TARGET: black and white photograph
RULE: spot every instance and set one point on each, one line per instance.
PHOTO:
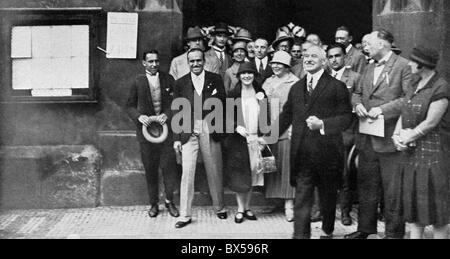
(244, 121)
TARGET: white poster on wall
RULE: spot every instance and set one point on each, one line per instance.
(121, 37)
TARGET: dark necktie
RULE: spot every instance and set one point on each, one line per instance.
(261, 67)
(310, 86)
(379, 64)
(221, 58)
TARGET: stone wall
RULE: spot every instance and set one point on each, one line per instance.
(414, 22)
(57, 126)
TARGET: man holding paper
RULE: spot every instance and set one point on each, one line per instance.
(377, 101)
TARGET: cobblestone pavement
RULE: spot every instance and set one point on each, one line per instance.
(133, 223)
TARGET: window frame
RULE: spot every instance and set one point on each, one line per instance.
(11, 17)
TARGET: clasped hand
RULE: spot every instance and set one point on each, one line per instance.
(147, 120)
(314, 123)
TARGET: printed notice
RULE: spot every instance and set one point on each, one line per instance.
(121, 37)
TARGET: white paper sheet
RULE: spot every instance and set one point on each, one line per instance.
(372, 127)
(20, 77)
(21, 42)
(121, 37)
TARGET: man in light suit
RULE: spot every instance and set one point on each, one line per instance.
(380, 92)
(261, 61)
(354, 58)
(318, 108)
(198, 87)
(149, 100)
(218, 51)
(336, 56)
(179, 66)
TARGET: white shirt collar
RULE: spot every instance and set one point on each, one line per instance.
(349, 47)
(424, 81)
(387, 57)
(316, 77)
(198, 81)
(264, 62)
(149, 75)
(339, 73)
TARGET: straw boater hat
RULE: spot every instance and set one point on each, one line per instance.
(155, 132)
(221, 28)
(282, 57)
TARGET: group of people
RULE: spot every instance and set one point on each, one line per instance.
(317, 96)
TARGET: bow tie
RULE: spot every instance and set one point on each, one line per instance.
(379, 64)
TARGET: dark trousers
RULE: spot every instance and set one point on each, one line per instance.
(348, 189)
(327, 183)
(377, 176)
(155, 156)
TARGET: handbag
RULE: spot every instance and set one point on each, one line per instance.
(268, 163)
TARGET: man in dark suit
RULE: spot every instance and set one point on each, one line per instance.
(318, 108)
(380, 92)
(336, 55)
(354, 59)
(149, 101)
(261, 61)
(197, 134)
(218, 51)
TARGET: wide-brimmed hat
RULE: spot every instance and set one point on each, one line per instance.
(221, 28)
(239, 45)
(242, 35)
(282, 57)
(282, 36)
(194, 33)
(247, 67)
(425, 56)
(155, 132)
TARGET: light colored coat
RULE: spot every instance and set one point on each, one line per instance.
(355, 60)
(388, 92)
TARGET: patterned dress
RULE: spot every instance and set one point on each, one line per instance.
(277, 185)
(424, 169)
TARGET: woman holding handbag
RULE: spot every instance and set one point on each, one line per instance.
(423, 134)
(277, 88)
(244, 151)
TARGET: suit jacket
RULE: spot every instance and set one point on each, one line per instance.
(140, 102)
(227, 61)
(309, 149)
(355, 60)
(213, 88)
(265, 74)
(179, 66)
(350, 79)
(388, 93)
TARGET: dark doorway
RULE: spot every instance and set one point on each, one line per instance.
(264, 17)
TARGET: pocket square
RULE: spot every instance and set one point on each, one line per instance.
(214, 92)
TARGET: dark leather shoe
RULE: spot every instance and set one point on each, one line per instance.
(248, 214)
(316, 217)
(356, 235)
(222, 215)
(346, 219)
(153, 211)
(182, 224)
(239, 219)
(173, 211)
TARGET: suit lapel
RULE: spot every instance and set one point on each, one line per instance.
(320, 87)
(146, 88)
(387, 69)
